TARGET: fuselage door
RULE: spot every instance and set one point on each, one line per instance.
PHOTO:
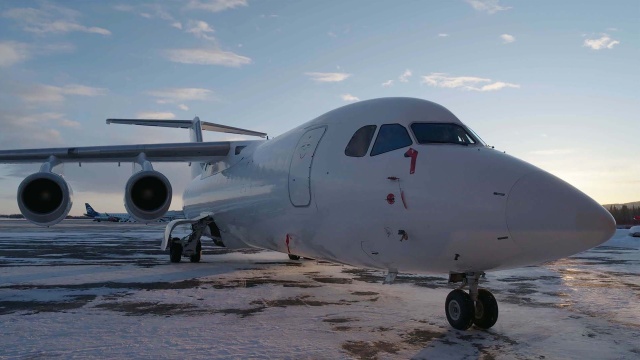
(300, 168)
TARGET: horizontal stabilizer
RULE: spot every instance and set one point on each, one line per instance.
(187, 124)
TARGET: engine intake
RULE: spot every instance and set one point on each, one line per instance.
(45, 198)
(147, 196)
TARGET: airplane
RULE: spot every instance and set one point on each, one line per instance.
(397, 184)
(105, 216)
(168, 216)
(635, 230)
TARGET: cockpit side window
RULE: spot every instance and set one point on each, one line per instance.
(391, 137)
(359, 143)
(441, 133)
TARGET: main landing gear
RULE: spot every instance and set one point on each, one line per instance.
(177, 251)
(190, 245)
(478, 307)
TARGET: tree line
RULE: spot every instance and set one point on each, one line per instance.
(624, 215)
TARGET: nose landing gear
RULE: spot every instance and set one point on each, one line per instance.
(478, 307)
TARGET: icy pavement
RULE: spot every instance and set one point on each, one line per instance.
(87, 290)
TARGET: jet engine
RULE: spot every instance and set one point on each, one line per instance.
(147, 196)
(45, 198)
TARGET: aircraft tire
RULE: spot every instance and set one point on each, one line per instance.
(195, 258)
(294, 257)
(175, 251)
(459, 309)
(486, 311)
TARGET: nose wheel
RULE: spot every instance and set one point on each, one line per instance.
(477, 307)
(459, 309)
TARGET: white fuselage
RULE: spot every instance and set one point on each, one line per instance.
(460, 208)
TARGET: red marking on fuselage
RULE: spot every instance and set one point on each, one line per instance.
(413, 154)
(391, 199)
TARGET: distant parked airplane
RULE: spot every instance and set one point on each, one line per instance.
(382, 183)
(635, 230)
(124, 217)
(104, 216)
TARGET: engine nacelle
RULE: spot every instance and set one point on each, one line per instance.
(45, 198)
(147, 196)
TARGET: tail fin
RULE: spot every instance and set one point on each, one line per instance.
(195, 127)
(90, 210)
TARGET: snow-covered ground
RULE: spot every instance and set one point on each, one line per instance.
(87, 290)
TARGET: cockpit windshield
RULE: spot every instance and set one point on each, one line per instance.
(442, 133)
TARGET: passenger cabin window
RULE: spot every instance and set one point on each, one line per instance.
(391, 137)
(441, 133)
(359, 143)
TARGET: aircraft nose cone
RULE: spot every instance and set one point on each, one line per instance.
(550, 219)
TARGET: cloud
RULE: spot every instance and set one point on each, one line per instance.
(465, 82)
(215, 5)
(55, 48)
(349, 97)
(405, 76)
(151, 11)
(488, 6)
(50, 18)
(604, 42)
(156, 115)
(69, 123)
(443, 35)
(183, 107)
(21, 130)
(207, 56)
(124, 8)
(179, 95)
(82, 90)
(199, 29)
(327, 77)
(498, 85)
(40, 93)
(507, 39)
(387, 83)
(12, 52)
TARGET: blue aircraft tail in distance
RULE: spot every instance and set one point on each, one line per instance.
(90, 211)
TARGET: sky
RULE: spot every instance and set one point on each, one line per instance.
(554, 83)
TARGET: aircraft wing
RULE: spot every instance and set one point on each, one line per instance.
(171, 152)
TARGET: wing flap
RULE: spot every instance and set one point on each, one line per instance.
(172, 152)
